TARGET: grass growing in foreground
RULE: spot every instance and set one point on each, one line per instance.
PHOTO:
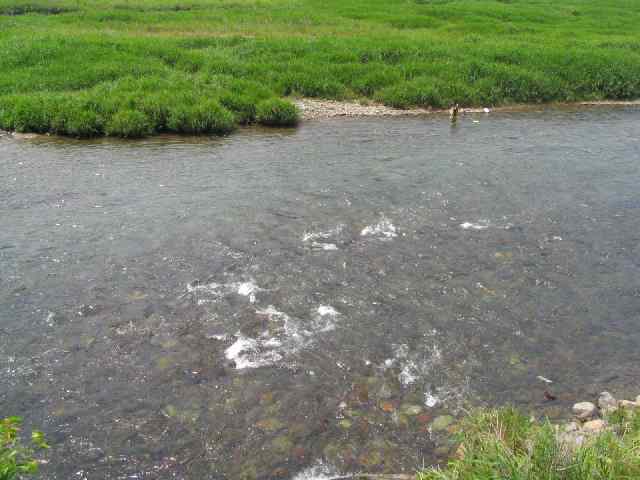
(506, 445)
(16, 460)
(134, 67)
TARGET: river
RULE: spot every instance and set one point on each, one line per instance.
(297, 303)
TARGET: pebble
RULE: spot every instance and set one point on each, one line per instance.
(584, 410)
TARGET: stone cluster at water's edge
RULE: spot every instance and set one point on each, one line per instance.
(589, 419)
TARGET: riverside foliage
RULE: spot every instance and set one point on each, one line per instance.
(135, 67)
(503, 444)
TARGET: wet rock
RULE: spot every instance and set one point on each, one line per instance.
(299, 453)
(361, 392)
(345, 424)
(385, 392)
(282, 444)
(607, 403)
(170, 411)
(370, 459)
(441, 423)
(387, 407)
(164, 363)
(423, 418)
(136, 295)
(411, 410)
(584, 410)
(280, 472)
(594, 426)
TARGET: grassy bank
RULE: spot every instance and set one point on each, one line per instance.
(503, 444)
(134, 67)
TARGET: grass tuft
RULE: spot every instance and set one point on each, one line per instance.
(277, 113)
(503, 444)
(129, 124)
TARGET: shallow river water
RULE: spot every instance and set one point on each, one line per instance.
(293, 304)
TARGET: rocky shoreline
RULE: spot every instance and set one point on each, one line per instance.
(590, 419)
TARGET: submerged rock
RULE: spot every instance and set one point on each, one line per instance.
(269, 424)
(441, 423)
(411, 410)
(346, 424)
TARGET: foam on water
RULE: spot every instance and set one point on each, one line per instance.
(310, 236)
(413, 365)
(430, 400)
(316, 238)
(319, 471)
(473, 226)
(284, 337)
(324, 246)
(214, 291)
(384, 229)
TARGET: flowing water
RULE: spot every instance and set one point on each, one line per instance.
(293, 304)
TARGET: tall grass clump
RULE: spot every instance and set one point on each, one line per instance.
(202, 117)
(129, 124)
(277, 113)
(504, 444)
(17, 459)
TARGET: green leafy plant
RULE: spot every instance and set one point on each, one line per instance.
(16, 460)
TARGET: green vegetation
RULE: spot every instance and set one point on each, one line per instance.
(506, 445)
(16, 460)
(277, 113)
(82, 68)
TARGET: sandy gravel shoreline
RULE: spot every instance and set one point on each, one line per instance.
(312, 109)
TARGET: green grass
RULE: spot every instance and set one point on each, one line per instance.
(16, 459)
(506, 445)
(69, 66)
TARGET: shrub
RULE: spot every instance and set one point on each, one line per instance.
(16, 460)
(277, 113)
(129, 124)
(204, 117)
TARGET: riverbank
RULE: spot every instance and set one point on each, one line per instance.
(147, 67)
(600, 442)
(313, 109)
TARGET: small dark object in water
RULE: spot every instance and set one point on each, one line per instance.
(453, 113)
(549, 396)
